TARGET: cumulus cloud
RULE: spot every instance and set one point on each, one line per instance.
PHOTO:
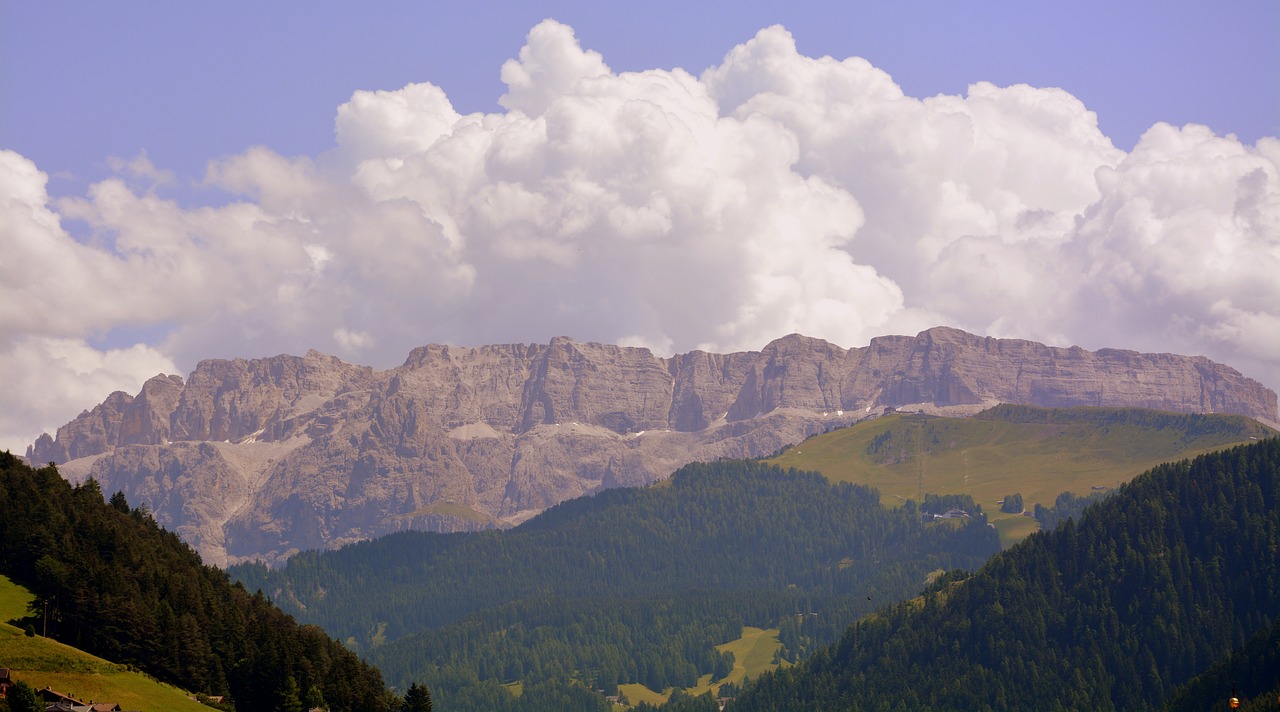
(772, 193)
(1182, 250)
(49, 380)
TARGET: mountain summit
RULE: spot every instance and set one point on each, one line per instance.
(258, 459)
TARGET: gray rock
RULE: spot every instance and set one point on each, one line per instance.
(259, 459)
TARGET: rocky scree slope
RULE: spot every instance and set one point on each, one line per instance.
(258, 459)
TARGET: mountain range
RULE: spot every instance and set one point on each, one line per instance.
(259, 459)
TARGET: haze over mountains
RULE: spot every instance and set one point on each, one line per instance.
(258, 459)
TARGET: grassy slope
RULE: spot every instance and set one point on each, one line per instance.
(752, 653)
(990, 458)
(41, 662)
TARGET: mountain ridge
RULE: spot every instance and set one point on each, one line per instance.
(311, 451)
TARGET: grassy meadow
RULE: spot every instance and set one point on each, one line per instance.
(41, 662)
(1077, 450)
(753, 654)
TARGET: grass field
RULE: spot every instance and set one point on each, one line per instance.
(13, 600)
(753, 654)
(41, 662)
(904, 456)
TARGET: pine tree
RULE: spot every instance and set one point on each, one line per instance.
(290, 699)
(314, 698)
(23, 699)
(119, 502)
(417, 699)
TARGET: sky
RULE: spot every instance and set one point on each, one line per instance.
(181, 181)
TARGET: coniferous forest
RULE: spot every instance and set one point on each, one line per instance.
(1119, 610)
(120, 587)
(631, 585)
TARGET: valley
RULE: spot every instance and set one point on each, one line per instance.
(581, 566)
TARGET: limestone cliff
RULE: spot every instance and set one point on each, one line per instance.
(262, 458)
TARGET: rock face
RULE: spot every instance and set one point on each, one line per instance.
(258, 459)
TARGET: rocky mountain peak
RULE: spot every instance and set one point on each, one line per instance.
(305, 452)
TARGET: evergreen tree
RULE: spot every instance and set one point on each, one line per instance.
(417, 699)
(290, 697)
(119, 502)
(1012, 504)
(23, 699)
(314, 698)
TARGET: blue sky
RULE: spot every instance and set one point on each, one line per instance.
(188, 82)
(182, 181)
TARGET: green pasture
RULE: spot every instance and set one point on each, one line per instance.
(905, 456)
(637, 693)
(13, 600)
(1012, 528)
(752, 653)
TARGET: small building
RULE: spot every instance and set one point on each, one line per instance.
(6, 681)
(953, 513)
(53, 697)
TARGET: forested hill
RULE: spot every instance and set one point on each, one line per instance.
(631, 585)
(122, 588)
(1252, 672)
(1149, 588)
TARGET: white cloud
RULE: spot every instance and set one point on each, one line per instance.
(772, 193)
(353, 342)
(141, 168)
(551, 63)
(59, 378)
(1182, 251)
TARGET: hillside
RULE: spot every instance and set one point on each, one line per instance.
(1114, 612)
(259, 459)
(634, 585)
(43, 662)
(122, 588)
(1036, 452)
(1252, 671)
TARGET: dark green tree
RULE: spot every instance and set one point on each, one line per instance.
(23, 699)
(417, 699)
(290, 697)
(1012, 504)
(314, 698)
(119, 502)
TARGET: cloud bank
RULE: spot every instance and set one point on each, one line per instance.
(774, 193)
